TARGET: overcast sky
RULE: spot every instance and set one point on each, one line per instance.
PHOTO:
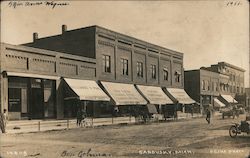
(205, 31)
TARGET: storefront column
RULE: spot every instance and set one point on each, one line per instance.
(4, 93)
(59, 100)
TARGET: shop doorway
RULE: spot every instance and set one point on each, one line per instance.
(36, 108)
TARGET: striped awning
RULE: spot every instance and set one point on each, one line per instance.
(180, 95)
(124, 94)
(154, 95)
(86, 90)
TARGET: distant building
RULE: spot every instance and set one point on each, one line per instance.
(218, 84)
(92, 67)
(247, 91)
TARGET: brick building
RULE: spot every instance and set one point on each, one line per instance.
(217, 85)
(92, 67)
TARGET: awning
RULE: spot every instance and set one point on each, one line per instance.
(218, 103)
(86, 90)
(154, 95)
(152, 109)
(124, 94)
(32, 75)
(229, 98)
(180, 95)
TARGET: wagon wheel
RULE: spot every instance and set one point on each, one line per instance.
(233, 131)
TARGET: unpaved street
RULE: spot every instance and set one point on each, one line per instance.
(184, 138)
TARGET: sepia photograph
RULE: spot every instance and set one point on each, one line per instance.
(124, 79)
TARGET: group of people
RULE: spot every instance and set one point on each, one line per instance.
(80, 117)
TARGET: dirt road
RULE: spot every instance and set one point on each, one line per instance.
(186, 138)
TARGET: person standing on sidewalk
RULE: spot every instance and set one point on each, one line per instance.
(79, 117)
(208, 117)
(3, 120)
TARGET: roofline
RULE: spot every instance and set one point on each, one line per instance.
(233, 66)
(148, 43)
(115, 32)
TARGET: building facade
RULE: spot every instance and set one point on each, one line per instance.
(34, 75)
(207, 84)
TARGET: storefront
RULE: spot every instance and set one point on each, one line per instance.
(31, 96)
(181, 99)
(156, 98)
(85, 95)
(125, 97)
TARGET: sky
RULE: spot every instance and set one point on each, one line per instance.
(207, 32)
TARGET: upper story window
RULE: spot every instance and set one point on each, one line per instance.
(203, 85)
(212, 87)
(139, 69)
(208, 86)
(165, 74)
(216, 87)
(153, 71)
(238, 89)
(177, 76)
(124, 66)
(106, 63)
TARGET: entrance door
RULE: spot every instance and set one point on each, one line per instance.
(37, 108)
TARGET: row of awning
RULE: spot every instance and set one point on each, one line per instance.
(125, 94)
(224, 99)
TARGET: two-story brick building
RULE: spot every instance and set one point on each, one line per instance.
(49, 76)
(217, 85)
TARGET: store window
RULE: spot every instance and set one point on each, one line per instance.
(17, 94)
(106, 63)
(14, 100)
(139, 69)
(124, 66)
(153, 71)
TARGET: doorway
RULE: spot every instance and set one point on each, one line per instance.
(37, 107)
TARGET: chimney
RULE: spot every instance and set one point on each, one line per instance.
(64, 28)
(35, 36)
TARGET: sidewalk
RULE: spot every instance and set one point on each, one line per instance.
(26, 126)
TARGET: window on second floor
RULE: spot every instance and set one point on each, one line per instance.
(139, 69)
(203, 85)
(238, 89)
(153, 71)
(124, 66)
(216, 87)
(177, 76)
(165, 74)
(106, 63)
(208, 85)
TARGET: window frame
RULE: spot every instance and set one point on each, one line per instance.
(139, 69)
(124, 66)
(153, 71)
(106, 63)
(165, 74)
